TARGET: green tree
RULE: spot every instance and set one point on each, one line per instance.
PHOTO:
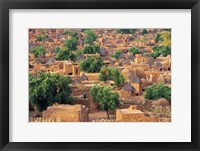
(158, 50)
(42, 38)
(111, 73)
(65, 54)
(134, 50)
(39, 50)
(104, 96)
(157, 91)
(90, 36)
(74, 35)
(56, 49)
(91, 49)
(117, 54)
(126, 31)
(78, 53)
(71, 44)
(144, 31)
(91, 64)
(164, 38)
(46, 89)
(158, 37)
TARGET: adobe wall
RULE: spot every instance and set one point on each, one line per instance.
(92, 76)
(138, 88)
(79, 91)
(67, 113)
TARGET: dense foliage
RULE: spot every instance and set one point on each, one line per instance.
(104, 96)
(71, 44)
(91, 49)
(111, 73)
(157, 91)
(91, 64)
(65, 54)
(39, 50)
(126, 31)
(134, 50)
(164, 38)
(68, 52)
(42, 38)
(158, 50)
(46, 89)
(117, 54)
(74, 35)
(90, 36)
(144, 31)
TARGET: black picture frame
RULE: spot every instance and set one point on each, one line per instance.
(5, 5)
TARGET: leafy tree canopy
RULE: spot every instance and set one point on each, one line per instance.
(38, 51)
(144, 31)
(158, 50)
(157, 91)
(45, 89)
(42, 38)
(111, 73)
(71, 44)
(117, 54)
(134, 50)
(91, 49)
(104, 96)
(164, 38)
(91, 64)
(74, 34)
(126, 31)
(90, 36)
(65, 54)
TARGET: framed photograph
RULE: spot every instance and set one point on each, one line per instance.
(99, 75)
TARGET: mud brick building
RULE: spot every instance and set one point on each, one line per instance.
(67, 113)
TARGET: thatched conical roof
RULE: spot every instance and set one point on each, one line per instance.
(128, 87)
(84, 77)
(122, 56)
(133, 78)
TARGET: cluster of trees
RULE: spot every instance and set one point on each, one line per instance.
(164, 38)
(158, 50)
(164, 44)
(111, 73)
(46, 89)
(90, 36)
(68, 52)
(105, 97)
(91, 49)
(134, 50)
(39, 50)
(157, 91)
(65, 54)
(42, 38)
(117, 54)
(126, 31)
(89, 39)
(91, 64)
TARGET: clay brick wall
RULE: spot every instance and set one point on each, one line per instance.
(79, 91)
(138, 88)
(92, 76)
(67, 113)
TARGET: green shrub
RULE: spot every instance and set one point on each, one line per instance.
(157, 91)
